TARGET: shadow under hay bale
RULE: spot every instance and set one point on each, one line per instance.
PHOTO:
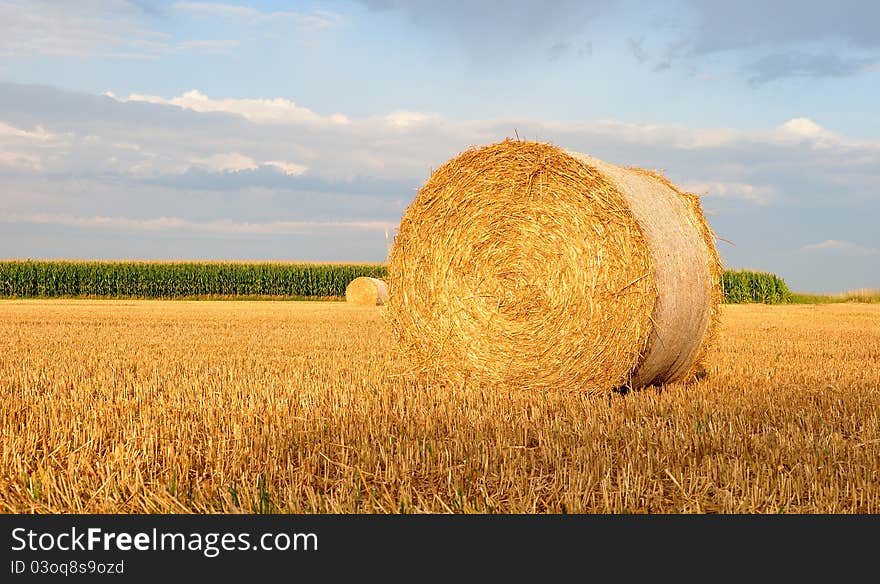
(520, 264)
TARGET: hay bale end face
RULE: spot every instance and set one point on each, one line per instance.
(364, 291)
(520, 264)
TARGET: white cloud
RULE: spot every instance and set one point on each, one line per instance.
(843, 247)
(793, 131)
(226, 162)
(288, 168)
(276, 110)
(761, 195)
(217, 9)
(20, 160)
(211, 46)
(236, 162)
(39, 134)
(408, 119)
(769, 167)
(24, 149)
(805, 130)
(30, 28)
(762, 167)
(321, 19)
(111, 28)
(653, 134)
(317, 19)
(176, 223)
(803, 127)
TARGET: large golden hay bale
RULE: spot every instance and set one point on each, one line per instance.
(523, 265)
(365, 291)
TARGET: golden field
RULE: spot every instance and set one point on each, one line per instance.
(170, 406)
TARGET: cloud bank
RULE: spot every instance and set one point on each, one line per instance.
(215, 167)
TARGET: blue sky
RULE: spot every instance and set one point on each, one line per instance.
(286, 130)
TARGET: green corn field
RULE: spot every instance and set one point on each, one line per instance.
(743, 286)
(97, 279)
(121, 279)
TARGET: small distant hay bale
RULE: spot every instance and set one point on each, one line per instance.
(523, 265)
(364, 291)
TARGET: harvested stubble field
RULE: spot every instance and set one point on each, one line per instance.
(170, 406)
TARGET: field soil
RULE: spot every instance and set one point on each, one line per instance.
(184, 406)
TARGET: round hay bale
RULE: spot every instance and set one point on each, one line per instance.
(520, 264)
(364, 291)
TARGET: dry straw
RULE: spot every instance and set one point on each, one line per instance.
(364, 291)
(523, 265)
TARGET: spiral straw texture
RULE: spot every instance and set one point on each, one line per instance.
(522, 265)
